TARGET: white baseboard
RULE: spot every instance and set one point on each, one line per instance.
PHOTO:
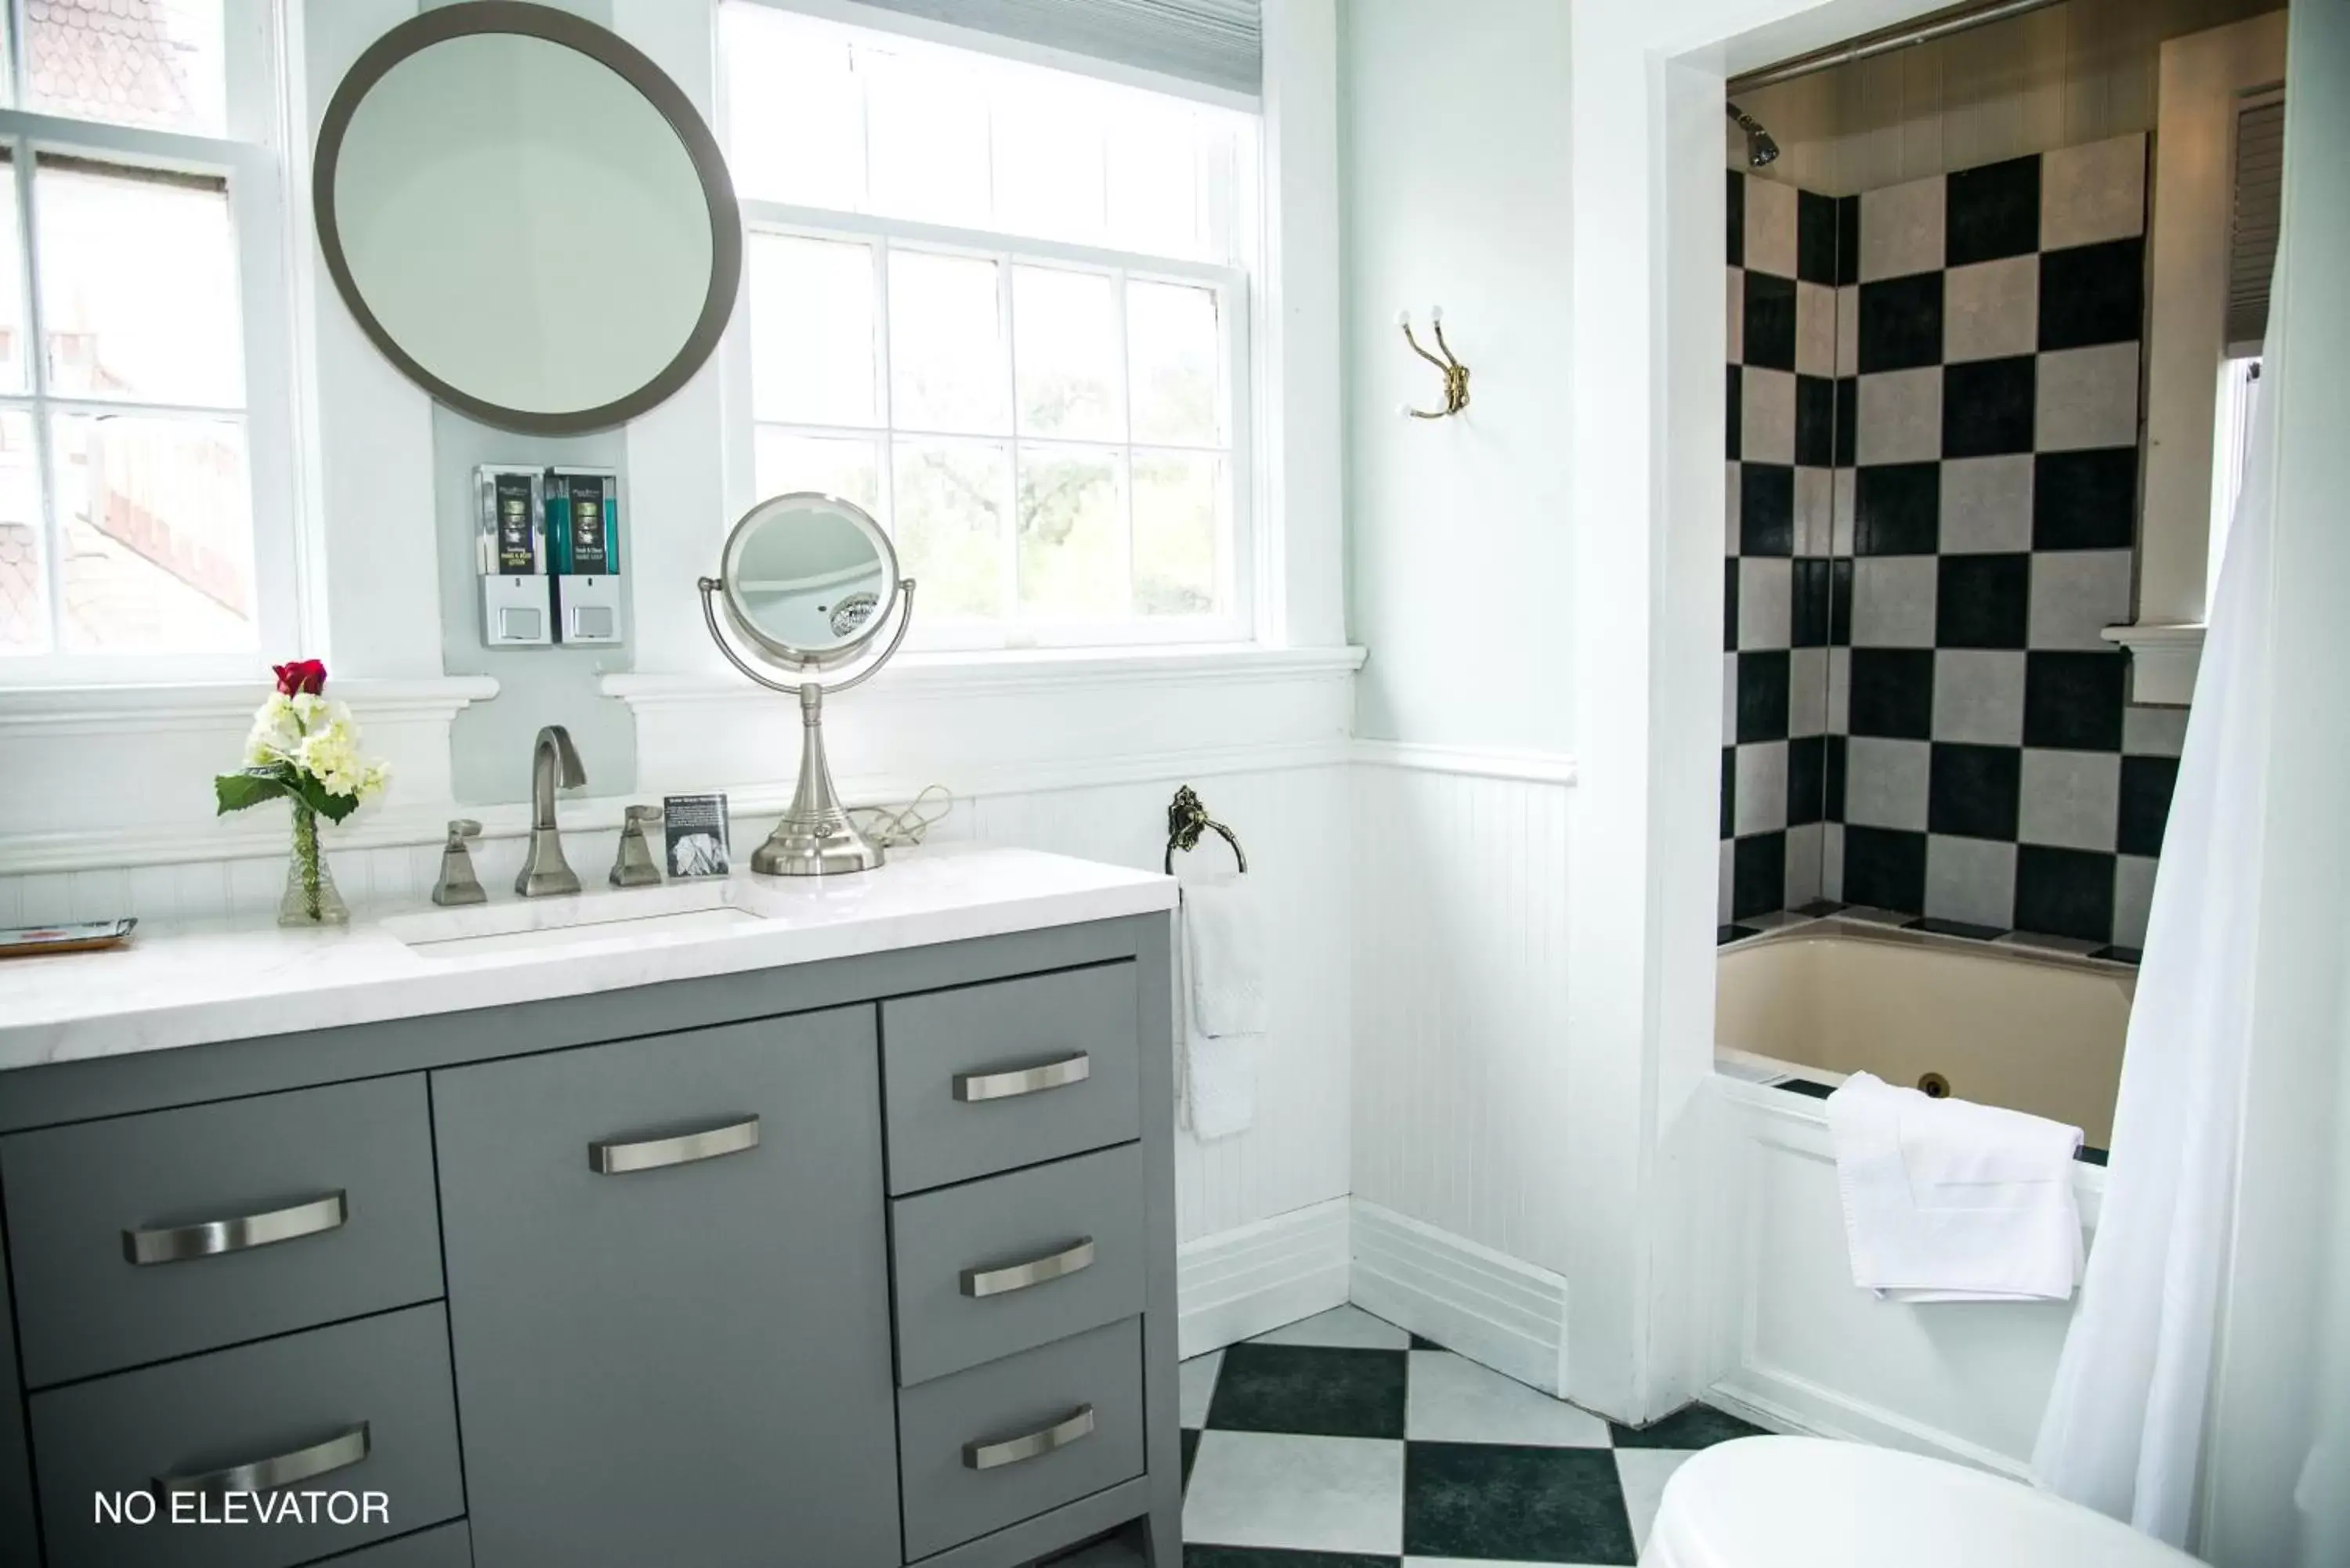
(1494, 1309)
(1788, 1404)
(1255, 1278)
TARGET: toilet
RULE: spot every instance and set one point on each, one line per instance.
(1810, 1502)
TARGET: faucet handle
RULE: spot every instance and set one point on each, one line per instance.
(634, 867)
(458, 885)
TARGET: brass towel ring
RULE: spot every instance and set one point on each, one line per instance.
(1186, 820)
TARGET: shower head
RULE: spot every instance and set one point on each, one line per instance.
(1760, 149)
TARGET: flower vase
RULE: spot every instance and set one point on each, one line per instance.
(310, 897)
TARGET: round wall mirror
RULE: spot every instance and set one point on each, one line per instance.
(527, 216)
(809, 580)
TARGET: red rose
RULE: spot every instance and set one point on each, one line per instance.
(303, 675)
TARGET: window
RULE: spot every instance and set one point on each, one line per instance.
(132, 218)
(2231, 438)
(1001, 308)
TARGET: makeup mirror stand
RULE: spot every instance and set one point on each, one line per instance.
(814, 836)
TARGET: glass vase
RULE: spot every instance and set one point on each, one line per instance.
(310, 897)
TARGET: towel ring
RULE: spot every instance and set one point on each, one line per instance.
(1186, 820)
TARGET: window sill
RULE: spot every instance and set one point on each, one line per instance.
(957, 674)
(150, 706)
(2163, 661)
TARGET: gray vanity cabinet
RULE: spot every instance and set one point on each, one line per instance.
(844, 1264)
(665, 1332)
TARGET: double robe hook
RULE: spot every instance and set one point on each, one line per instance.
(1456, 374)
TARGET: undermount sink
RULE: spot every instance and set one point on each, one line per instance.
(688, 909)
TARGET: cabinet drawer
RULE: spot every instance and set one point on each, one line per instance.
(995, 1266)
(303, 1401)
(988, 1077)
(443, 1546)
(254, 1217)
(1005, 1441)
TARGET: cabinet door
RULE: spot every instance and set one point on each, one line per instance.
(672, 1343)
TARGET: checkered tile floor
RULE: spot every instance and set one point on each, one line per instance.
(1345, 1442)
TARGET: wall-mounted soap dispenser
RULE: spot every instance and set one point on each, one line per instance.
(510, 547)
(583, 535)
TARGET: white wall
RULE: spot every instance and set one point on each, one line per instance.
(1455, 184)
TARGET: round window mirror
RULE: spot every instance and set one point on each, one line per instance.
(809, 580)
(527, 216)
(808, 583)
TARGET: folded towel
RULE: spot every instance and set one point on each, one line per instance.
(1223, 1006)
(1945, 1200)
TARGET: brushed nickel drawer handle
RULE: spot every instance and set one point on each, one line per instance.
(1035, 1272)
(1077, 1424)
(611, 1157)
(340, 1451)
(973, 1087)
(178, 1243)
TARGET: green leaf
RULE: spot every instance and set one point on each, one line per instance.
(333, 808)
(250, 786)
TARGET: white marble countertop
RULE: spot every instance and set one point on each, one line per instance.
(174, 985)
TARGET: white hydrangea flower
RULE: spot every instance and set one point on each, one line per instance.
(276, 731)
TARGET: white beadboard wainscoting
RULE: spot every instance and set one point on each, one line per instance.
(1798, 1348)
(1459, 993)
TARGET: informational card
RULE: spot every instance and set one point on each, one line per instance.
(694, 831)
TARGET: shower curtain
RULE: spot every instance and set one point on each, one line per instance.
(2204, 1390)
(2124, 1428)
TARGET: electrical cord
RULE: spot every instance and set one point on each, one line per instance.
(899, 827)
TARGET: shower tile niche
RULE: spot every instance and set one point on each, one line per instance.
(1934, 449)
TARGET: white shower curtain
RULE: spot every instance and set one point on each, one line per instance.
(2204, 1390)
(2124, 1428)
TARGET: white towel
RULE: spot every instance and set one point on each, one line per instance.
(1945, 1200)
(1223, 1005)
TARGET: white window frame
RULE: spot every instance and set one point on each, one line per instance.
(1242, 565)
(248, 155)
(1229, 286)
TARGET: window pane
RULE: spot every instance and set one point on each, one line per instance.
(1070, 566)
(950, 525)
(144, 62)
(926, 124)
(1177, 497)
(1048, 160)
(1172, 349)
(946, 344)
(157, 547)
(20, 538)
(794, 110)
(139, 290)
(12, 281)
(1154, 179)
(1065, 345)
(846, 466)
(811, 331)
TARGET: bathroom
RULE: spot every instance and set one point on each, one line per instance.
(1507, 1229)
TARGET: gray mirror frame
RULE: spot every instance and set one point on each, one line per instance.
(615, 53)
(801, 658)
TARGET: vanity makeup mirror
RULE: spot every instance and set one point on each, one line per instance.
(808, 583)
(527, 216)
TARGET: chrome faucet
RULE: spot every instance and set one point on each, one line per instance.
(544, 872)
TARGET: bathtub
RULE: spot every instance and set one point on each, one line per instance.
(1790, 1342)
(2031, 1030)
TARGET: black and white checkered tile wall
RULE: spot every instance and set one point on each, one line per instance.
(1934, 427)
